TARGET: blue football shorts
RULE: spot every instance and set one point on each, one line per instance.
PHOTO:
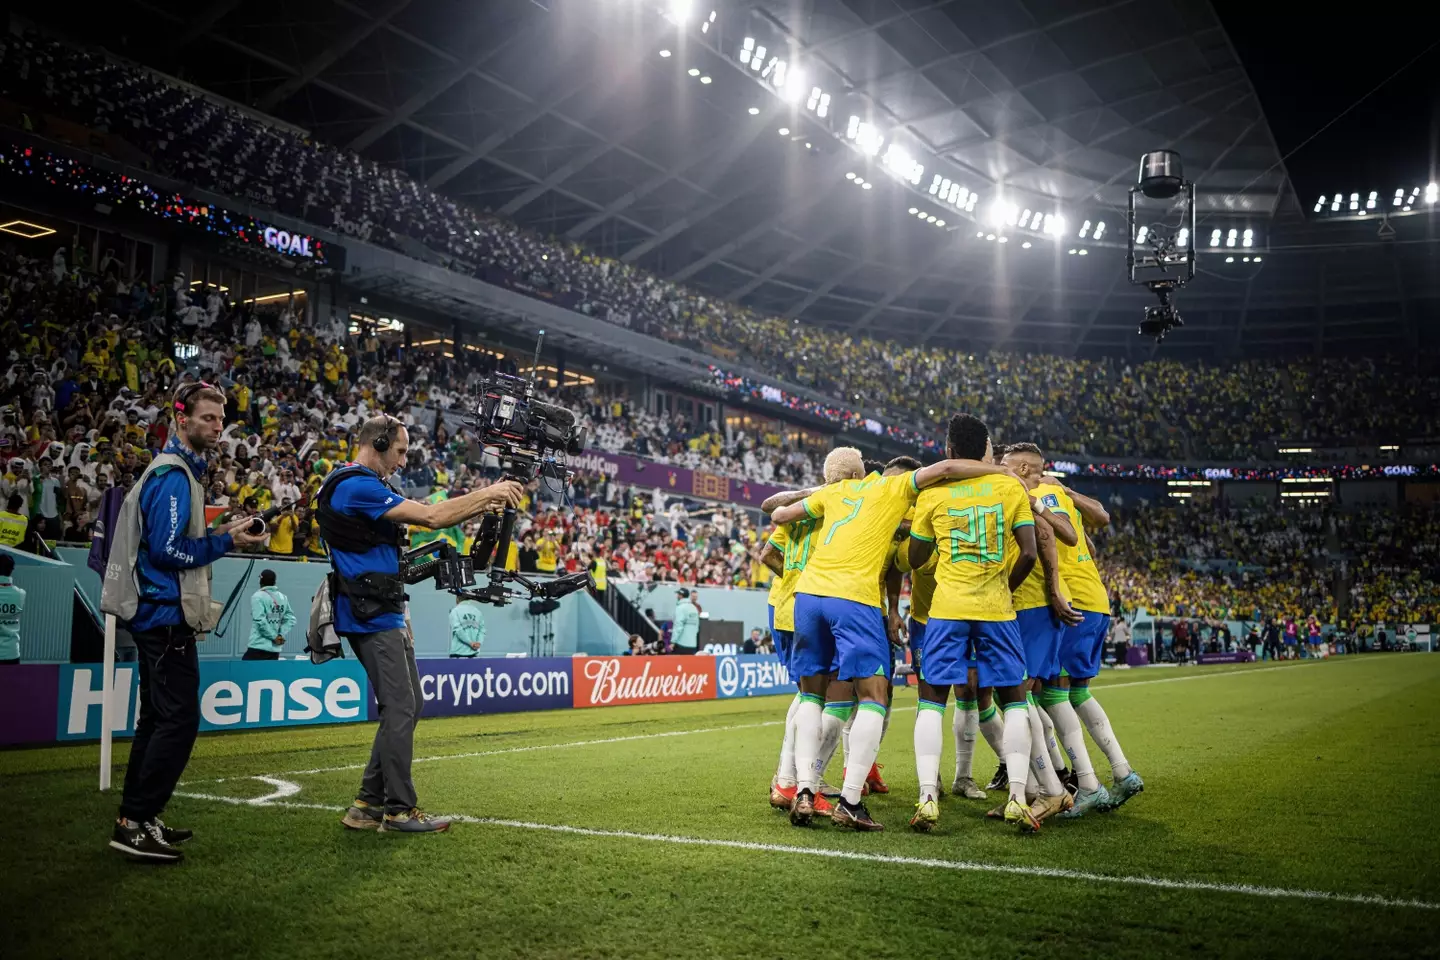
(992, 647)
(839, 636)
(1082, 645)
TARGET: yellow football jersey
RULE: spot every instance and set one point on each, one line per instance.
(853, 542)
(922, 581)
(972, 524)
(797, 542)
(1032, 592)
(1082, 578)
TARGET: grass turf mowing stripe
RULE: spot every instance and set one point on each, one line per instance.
(686, 733)
(1055, 873)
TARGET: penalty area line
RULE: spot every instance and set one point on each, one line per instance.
(967, 866)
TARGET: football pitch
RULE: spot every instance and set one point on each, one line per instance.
(1288, 811)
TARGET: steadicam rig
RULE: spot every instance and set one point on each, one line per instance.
(1159, 248)
(531, 439)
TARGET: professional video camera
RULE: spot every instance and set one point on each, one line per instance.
(532, 438)
(1171, 245)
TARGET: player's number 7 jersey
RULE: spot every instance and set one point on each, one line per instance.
(857, 527)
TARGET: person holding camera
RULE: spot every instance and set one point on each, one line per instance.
(157, 585)
(270, 619)
(360, 518)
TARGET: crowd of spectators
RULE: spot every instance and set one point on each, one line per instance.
(1159, 409)
(1263, 563)
(92, 363)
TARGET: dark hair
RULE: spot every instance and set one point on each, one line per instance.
(967, 437)
(872, 466)
(267, 578)
(1025, 447)
(7, 564)
(904, 463)
(14, 503)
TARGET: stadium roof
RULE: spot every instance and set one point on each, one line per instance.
(658, 132)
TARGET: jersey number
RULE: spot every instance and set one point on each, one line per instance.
(797, 548)
(854, 506)
(972, 537)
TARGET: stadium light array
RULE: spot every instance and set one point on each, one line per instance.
(754, 111)
(693, 71)
(1215, 238)
(705, 27)
(898, 160)
(1142, 234)
(1247, 238)
(1432, 192)
(1026, 245)
(705, 79)
(680, 10)
(1099, 229)
(665, 54)
(1231, 237)
(1084, 229)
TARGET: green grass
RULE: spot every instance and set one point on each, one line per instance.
(1311, 777)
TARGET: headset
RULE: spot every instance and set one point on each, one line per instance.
(382, 442)
(183, 395)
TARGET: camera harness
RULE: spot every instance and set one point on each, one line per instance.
(370, 594)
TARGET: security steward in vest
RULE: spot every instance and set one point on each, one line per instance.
(361, 520)
(159, 560)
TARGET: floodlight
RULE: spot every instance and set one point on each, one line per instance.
(784, 131)
(939, 223)
(1026, 245)
(1084, 228)
(1432, 192)
(664, 53)
(914, 210)
(705, 79)
(1099, 229)
(753, 111)
(693, 71)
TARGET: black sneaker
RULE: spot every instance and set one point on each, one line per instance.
(1001, 780)
(855, 816)
(1070, 781)
(144, 842)
(173, 835)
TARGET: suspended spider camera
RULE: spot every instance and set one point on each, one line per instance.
(1161, 255)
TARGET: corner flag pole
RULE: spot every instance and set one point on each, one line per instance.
(107, 702)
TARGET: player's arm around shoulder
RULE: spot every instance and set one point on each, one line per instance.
(811, 507)
(922, 528)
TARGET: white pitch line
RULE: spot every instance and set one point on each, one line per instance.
(974, 866)
(686, 733)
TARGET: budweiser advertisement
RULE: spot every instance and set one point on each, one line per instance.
(612, 681)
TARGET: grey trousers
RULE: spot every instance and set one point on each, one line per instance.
(389, 662)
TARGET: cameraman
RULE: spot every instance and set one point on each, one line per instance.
(360, 519)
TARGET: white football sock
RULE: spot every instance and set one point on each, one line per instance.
(845, 737)
(1057, 755)
(832, 726)
(807, 740)
(964, 726)
(929, 741)
(992, 728)
(1016, 746)
(1093, 716)
(865, 742)
(1067, 727)
(1044, 771)
(785, 772)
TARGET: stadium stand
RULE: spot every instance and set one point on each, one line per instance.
(1157, 409)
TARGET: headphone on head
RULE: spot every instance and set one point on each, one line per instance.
(382, 442)
(181, 403)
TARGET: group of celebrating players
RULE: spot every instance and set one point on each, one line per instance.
(1006, 607)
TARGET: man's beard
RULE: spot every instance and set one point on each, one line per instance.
(198, 441)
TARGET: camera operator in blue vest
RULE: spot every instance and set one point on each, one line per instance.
(361, 519)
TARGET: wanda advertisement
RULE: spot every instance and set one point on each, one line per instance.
(614, 681)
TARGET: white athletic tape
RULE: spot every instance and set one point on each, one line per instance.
(1055, 873)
